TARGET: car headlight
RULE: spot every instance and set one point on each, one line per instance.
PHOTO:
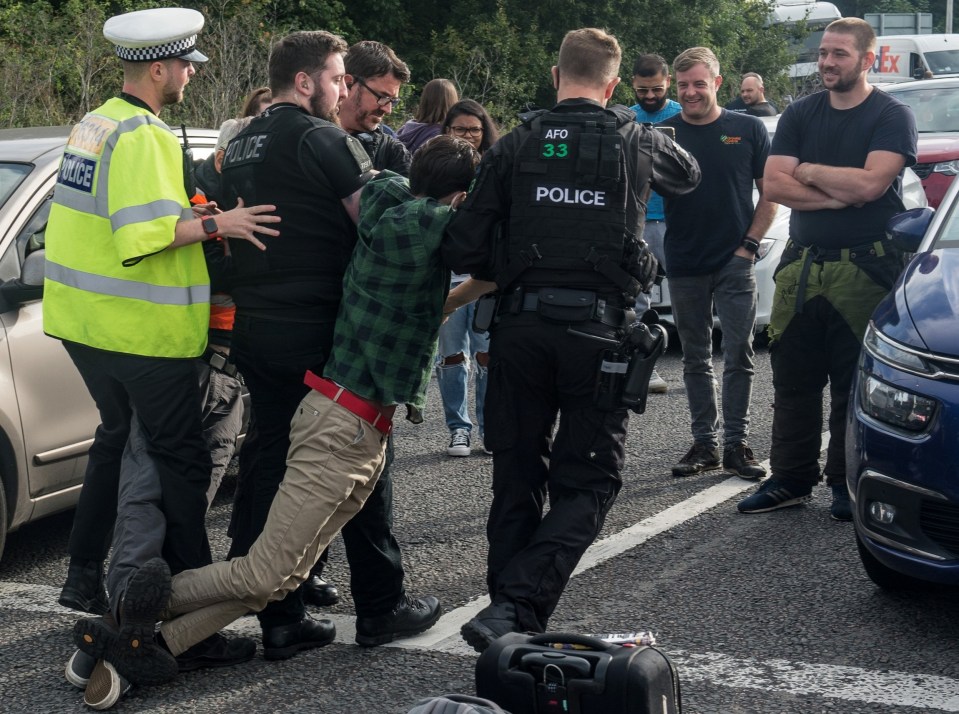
(894, 406)
(894, 354)
(949, 168)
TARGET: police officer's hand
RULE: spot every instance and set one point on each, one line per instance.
(647, 267)
(246, 221)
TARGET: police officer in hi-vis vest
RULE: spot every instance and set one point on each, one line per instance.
(566, 192)
(127, 292)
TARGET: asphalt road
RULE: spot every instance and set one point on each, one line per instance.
(765, 613)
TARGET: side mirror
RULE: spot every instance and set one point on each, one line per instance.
(26, 288)
(906, 230)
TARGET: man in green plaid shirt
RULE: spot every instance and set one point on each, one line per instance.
(386, 329)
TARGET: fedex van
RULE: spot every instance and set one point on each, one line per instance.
(900, 58)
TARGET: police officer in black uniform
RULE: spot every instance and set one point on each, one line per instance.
(565, 192)
(288, 295)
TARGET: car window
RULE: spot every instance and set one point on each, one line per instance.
(11, 175)
(949, 233)
(935, 109)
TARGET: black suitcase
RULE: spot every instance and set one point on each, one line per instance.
(572, 674)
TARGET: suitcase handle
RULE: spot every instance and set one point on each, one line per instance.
(563, 638)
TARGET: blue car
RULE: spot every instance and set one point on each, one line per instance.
(902, 445)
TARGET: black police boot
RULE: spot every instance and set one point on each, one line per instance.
(318, 592)
(411, 616)
(216, 651)
(286, 640)
(84, 589)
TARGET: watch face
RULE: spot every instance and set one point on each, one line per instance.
(209, 226)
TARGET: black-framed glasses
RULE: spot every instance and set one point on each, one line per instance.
(381, 99)
(464, 130)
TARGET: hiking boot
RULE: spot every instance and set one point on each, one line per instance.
(739, 460)
(105, 687)
(318, 592)
(841, 508)
(130, 645)
(490, 624)
(79, 668)
(775, 493)
(700, 457)
(657, 385)
(410, 617)
(459, 443)
(83, 589)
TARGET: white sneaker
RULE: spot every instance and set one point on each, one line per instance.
(459, 443)
(657, 385)
(79, 668)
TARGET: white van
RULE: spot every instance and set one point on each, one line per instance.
(814, 16)
(900, 58)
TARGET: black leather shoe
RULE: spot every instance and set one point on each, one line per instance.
(217, 651)
(410, 617)
(285, 641)
(83, 589)
(316, 591)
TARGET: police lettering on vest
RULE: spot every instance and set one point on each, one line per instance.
(246, 150)
(559, 195)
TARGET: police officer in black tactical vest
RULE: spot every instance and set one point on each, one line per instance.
(554, 219)
(287, 296)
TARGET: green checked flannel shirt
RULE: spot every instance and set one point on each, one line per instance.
(393, 295)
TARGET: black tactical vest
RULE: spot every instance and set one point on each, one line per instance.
(575, 200)
(267, 163)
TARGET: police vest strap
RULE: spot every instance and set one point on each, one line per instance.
(613, 272)
(518, 266)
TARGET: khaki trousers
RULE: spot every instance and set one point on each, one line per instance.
(334, 461)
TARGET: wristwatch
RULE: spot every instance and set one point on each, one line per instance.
(750, 244)
(210, 227)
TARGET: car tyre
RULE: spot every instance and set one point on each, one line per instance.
(4, 520)
(884, 576)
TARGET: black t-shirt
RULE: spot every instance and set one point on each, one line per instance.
(305, 167)
(704, 228)
(811, 131)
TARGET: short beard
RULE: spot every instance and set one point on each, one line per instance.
(321, 111)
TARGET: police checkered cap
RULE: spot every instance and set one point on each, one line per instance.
(156, 34)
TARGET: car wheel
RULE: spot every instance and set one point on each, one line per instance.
(884, 576)
(4, 522)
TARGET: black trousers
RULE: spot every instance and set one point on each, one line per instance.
(166, 397)
(536, 371)
(273, 357)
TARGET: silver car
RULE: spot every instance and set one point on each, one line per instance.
(47, 418)
(771, 249)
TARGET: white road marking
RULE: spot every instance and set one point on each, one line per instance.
(895, 689)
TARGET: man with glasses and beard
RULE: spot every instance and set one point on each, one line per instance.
(653, 105)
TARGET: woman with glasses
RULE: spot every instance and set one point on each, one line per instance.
(459, 343)
(435, 101)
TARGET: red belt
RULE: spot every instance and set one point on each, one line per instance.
(379, 418)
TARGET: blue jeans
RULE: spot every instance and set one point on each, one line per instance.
(653, 234)
(733, 290)
(458, 337)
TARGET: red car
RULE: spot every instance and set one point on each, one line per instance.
(935, 103)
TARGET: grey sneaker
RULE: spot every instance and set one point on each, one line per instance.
(739, 460)
(657, 385)
(459, 443)
(79, 668)
(700, 457)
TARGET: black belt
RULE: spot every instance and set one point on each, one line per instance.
(603, 312)
(814, 254)
(219, 361)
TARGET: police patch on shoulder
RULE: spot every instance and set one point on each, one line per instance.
(363, 160)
